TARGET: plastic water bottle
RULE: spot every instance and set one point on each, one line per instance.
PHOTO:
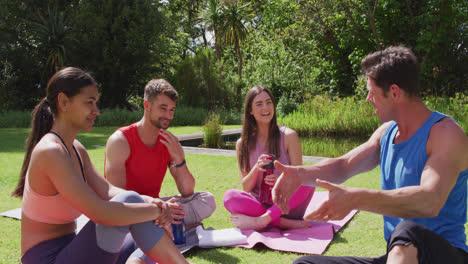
(265, 189)
(178, 230)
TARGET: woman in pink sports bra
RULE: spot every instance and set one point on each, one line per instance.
(58, 183)
(260, 137)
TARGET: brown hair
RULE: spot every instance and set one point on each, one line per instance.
(156, 87)
(394, 65)
(68, 81)
(249, 129)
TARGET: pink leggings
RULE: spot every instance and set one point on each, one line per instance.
(241, 202)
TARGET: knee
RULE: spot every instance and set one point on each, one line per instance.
(404, 238)
(209, 201)
(206, 204)
(407, 229)
(229, 197)
(128, 197)
(403, 254)
(304, 260)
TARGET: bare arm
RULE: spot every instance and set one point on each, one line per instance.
(56, 163)
(293, 147)
(249, 179)
(336, 170)
(117, 153)
(446, 148)
(182, 176)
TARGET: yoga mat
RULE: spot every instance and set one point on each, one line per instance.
(313, 240)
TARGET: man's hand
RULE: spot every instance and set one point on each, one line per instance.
(338, 205)
(173, 146)
(285, 186)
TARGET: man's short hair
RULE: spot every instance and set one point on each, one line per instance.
(394, 65)
(156, 87)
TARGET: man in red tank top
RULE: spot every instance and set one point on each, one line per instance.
(138, 155)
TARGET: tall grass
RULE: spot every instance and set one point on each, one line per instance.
(354, 117)
(322, 116)
(212, 132)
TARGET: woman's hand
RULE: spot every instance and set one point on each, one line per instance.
(262, 161)
(165, 218)
(271, 179)
(177, 210)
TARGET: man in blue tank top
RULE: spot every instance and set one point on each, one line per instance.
(423, 157)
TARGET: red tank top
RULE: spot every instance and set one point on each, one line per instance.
(146, 166)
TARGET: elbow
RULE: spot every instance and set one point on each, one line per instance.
(432, 211)
(246, 187)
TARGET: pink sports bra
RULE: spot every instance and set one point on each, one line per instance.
(49, 209)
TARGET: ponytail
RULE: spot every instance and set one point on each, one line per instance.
(69, 81)
(41, 123)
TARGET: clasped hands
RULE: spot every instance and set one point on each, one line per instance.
(171, 213)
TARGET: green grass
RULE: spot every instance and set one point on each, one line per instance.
(362, 236)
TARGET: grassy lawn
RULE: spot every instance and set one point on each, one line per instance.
(362, 236)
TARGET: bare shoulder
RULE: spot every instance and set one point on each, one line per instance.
(117, 140)
(290, 135)
(49, 150)
(81, 149)
(238, 143)
(448, 134)
(117, 147)
(378, 133)
(289, 132)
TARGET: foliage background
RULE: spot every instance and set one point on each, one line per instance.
(213, 51)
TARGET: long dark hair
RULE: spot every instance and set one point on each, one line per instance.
(68, 81)
(249, 129)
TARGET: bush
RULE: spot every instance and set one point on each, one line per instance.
(15, 119)
(353, 116)
(212, 132)
(286, 105)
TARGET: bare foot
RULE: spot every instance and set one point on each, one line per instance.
(294, 224)
(248, 222)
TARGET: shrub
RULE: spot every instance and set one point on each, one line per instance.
(212, 131)
(286, 105)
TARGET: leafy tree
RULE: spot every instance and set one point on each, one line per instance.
(122, 43)
(51, 32)
(234, 29)
(200, 81)
(211, 16)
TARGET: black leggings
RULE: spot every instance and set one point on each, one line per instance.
(431, 247)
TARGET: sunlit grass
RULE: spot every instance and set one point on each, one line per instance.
(363, 236)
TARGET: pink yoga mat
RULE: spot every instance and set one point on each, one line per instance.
(313, 240)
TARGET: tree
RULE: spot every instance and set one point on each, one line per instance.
(51, 32)
(233, 27)
(122, 43)
(211, 16)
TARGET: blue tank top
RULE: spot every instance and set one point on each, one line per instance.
(402, 165)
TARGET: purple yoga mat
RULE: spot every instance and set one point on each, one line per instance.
(313, 240)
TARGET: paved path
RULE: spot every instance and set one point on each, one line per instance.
(225, 152)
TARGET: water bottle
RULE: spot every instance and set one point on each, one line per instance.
(178, 230)
(265, 189)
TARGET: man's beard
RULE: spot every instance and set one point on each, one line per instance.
(157, 123)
